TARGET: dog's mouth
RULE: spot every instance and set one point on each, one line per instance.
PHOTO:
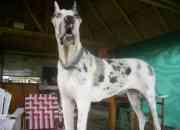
(67, 39)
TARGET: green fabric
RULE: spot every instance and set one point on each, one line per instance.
(164, 55)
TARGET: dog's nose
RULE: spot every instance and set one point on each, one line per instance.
(69, 30)
(69, 20)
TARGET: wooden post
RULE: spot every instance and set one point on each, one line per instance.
(134, 121)
(112, 113)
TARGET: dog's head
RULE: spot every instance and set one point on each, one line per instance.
(66, 26)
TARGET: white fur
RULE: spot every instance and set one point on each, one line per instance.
(84, 78)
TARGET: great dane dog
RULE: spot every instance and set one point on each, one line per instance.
(84, 78)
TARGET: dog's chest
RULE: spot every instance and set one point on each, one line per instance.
(75, 77)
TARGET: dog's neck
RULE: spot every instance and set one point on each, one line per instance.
(83, 61)
(74, 62)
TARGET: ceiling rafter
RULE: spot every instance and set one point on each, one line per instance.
(33, 16)
(171, 3)
(127, 19)
(47, 14)
(26, 53)
(98, 16)
(161, 19)
(50, 37)
(160, 5)
(83, 13)
(90, 31)
(102, 21)
(6, 30)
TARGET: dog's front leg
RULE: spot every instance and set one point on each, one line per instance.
(68, 112)
(83, 110)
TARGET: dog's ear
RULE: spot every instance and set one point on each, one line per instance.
(56, 7)
(75, 8)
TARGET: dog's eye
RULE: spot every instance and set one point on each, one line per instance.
(77, 16)
(58, 15)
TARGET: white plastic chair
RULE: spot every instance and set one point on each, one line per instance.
(9, 121)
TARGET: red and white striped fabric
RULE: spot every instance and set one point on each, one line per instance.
(42, 111)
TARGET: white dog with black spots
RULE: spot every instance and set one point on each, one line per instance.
(84, 78)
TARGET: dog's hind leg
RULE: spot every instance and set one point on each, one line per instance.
(135, 102)
(83, 110)
(68, 112)
(151, 99)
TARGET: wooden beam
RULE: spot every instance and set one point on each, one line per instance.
(99, 17)
(112, 113)
(171, 3)
(126, 17)
(46, 13)
(33, 16)
(90, 43)
(83, 14)
(160, 5)
(13, 31)
(35, 54)
(161, 19)
(90, 31)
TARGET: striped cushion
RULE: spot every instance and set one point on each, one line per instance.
(42, 111)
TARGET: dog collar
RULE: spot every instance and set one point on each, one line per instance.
(77, 59)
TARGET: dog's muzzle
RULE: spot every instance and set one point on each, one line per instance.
(67, 39)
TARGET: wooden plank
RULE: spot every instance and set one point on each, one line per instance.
(88, 24)
(126, 17)
(112, 113)
(33, 16)
(25, 33)
(160, 5)
(98, 16)
(161, 19)
(171, 3)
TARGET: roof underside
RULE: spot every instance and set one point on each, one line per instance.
(106, 23)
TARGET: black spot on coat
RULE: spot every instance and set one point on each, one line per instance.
(128, 71)
(121, 64)
(116, 68)
(79, 69)
(138, 66)
(101, 78)
(86, 51)
(111, 73)
(108, 88)
(109, 61)
(113, 79)
(85, 68)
